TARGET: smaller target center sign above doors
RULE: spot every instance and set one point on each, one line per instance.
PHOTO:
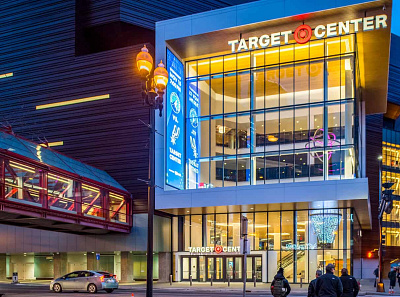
(175, 124)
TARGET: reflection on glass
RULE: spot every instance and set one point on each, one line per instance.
(92, 203)
(22, 182)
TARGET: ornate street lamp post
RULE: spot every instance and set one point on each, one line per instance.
(154, 100)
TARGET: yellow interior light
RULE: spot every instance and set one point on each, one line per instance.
(74, 101)
(4, 75)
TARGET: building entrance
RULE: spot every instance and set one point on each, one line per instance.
(219, 268)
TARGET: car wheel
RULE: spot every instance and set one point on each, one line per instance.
(109, 290)
(57, 288)
(92, 288)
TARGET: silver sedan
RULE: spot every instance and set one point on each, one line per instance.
(85, 280)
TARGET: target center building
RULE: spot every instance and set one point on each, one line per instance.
(267, 116)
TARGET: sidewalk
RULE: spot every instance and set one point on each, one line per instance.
(367, 287)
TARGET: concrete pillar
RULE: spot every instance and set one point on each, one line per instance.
(126, 267)
(60, 264)
(91, 261)
(164, 266)
(3, 267)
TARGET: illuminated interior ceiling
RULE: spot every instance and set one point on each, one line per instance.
(372, 46)
(393, 111)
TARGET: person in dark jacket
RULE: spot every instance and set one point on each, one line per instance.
(392, 280)
(376, 273)
(280, 286)
(350, 285)
(311, 286)
(398, 274)
(329, 285)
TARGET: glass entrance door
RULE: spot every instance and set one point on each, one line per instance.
(254, 268)
(190, 267)
(220, 268)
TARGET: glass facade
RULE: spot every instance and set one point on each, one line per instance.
(282, 114)
(391, 173)
(28, 184)
(300, 241)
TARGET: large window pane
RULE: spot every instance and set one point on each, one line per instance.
(230, 172)
(217, 136)
(261, 231)
(272, 168)
(204, 92)
(272, 87)
(286, 168)
(272, 130)
(286, 84)
(258, 89)
(233, 229)
(230, 92)
(205, 137)
(286, 129)
(301, 128)
(203, 67)
(230, 135)
(244, 170)
(217, 94)
(61, 192)
(301, 83)
(210, 232)
(117, 208)
(274, 231)
(216, 172)
(221, 229)
(333, 79)
(243, 133)
(317, 81)
(243, 91)
(92, 201)
(22, 182)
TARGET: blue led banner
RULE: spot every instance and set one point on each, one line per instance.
(175, 123)
(192, 136)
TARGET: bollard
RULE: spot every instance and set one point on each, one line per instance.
(191, 280)
(255, 280)
(170, 279)
(301, 282)
(229, 280)
(211, 280)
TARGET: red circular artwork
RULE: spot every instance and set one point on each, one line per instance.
(218, 249)
(302, 34)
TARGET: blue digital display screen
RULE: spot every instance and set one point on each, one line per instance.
(175, 123)
(192, 135)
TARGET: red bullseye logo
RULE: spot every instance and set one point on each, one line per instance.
(218, 249)
(302, 34)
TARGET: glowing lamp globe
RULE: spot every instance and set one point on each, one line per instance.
(144, 61)
(161, 77)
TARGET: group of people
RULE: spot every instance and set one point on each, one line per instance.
(393, 275)
(327, 285)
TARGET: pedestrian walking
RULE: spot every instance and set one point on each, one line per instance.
(376, 273)
(392, 275)
(329, 285)
(311, 286)
(349, 283)
(280, 286)
(398, 275)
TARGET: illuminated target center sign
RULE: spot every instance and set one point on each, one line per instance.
(303, 33)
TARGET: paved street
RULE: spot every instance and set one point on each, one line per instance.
(41, 290)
